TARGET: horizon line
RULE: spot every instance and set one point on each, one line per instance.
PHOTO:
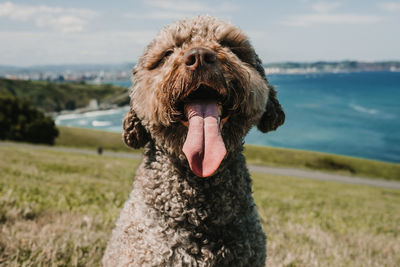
(270, 63)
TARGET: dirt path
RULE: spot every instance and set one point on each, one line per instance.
(307, 174)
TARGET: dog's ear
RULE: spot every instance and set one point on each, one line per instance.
(273, 116)
(134, 134)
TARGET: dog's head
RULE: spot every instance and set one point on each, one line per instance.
(197, 90)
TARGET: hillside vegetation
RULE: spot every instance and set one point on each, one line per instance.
(54, 97)
(258, 155)
(58, 209)
(20, 121)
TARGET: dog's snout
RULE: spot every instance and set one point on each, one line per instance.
(199, 56)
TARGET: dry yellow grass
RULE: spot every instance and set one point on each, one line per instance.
(58, 208)
(63, 239)
(311, 223)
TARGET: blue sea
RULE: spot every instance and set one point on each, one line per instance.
(355, 114)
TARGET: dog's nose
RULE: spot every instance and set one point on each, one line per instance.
(199, 56)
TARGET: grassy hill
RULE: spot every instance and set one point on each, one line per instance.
(54, 97)
(58, 209)
(259, 155)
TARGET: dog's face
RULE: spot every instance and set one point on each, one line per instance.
(197, 90)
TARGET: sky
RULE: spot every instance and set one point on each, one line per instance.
(34, 32)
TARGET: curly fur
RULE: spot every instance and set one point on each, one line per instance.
(173, 217)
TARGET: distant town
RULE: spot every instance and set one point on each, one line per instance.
(91, 73)
(331, 67)
(101, 73)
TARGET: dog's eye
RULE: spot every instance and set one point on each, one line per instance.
(168, 53)
(158, 60)
(244, 53)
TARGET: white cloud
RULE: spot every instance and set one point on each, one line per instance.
(31, 48)
(166, 9)
(192, 6)
(325, 7)
(319, 18)
(324, 13)
(60, 19)
(157, 15)
(390, 6)
(65, 23)
(179, 5)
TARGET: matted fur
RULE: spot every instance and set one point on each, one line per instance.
(173, 217)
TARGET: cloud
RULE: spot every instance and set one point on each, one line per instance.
(390, 6)
(348, 18)
(179, 5)
(29, 48)
(323, 14)
(157, 15)
(166, 9)
(60, 19)
(325, 7)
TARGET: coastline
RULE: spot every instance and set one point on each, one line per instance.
(343, 114)
(87, 109)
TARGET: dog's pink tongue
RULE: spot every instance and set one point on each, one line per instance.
(204, 147)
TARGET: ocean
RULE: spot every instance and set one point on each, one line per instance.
(354, 114)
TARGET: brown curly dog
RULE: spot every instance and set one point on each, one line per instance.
(197, 90)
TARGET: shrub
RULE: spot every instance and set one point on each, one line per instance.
(20, 121)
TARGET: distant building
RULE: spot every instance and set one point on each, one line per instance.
(93, 104)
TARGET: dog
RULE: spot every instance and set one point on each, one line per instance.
(197, 90)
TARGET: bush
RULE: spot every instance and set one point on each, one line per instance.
(54, 97)
(20, 121)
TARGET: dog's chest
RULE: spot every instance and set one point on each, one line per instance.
(207, 222)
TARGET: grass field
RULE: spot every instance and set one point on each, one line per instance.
(92, 139)
(86, 138)
(58, 208)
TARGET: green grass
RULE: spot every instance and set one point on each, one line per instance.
(87, 138)
(58, 208)
(321, 161)
(91, 139)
